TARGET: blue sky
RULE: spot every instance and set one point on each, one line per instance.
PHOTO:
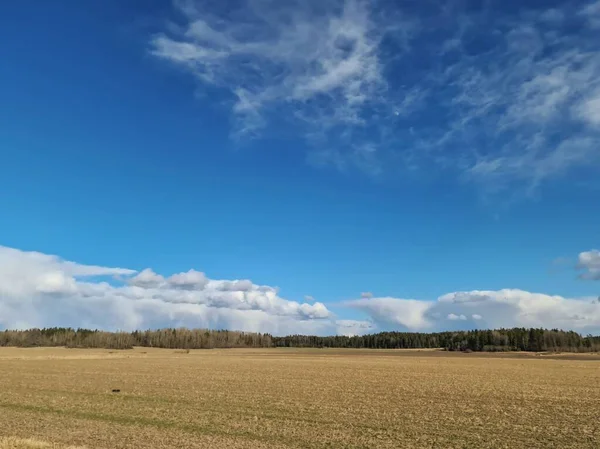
(424, 150)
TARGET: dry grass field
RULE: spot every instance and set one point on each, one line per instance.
(277, 398)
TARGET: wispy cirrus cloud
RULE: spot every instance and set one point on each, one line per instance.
(318, 60)
(503, 97)
(316, 64)
(532, 100)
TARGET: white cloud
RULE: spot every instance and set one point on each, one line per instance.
(41, 290)
(588, 109)
(409, 314)
(308, 298)
(146, 279)
(239, 285)
(366, 295)
(484, 309)
(590, 262)
(192, 280)
(25, 273)
(506, 99)
(38, 290)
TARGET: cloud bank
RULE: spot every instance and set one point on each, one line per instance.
(483, 309)
(500, 96)
(40, 290)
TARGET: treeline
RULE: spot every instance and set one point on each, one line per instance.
(517, 339)
(162, 338)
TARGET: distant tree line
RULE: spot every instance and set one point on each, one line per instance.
(161, 338)
(516, 339)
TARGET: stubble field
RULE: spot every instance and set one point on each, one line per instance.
(276, 398)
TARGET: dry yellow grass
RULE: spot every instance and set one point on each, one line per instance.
(29, 443)
(267, 399)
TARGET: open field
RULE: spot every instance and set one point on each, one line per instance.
(287, 398)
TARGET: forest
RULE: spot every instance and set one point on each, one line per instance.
(162, 338)
(516, 339)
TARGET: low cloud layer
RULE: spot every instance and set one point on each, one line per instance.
(40, 290)
(483, 309)
(505, 97)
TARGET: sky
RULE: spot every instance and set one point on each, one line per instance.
(285, 166)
